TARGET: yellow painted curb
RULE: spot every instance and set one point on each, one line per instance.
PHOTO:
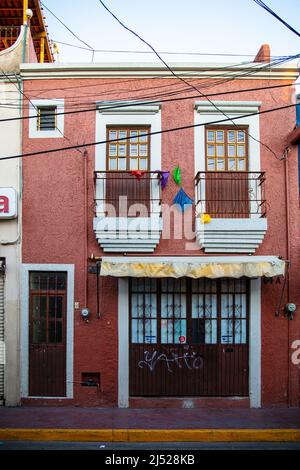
(152, 435)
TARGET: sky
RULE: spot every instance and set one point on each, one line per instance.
(214, 26)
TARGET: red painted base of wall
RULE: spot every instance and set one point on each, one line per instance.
(189, 402)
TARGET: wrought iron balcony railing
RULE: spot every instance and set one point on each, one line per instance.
(231, 194)
(8, 36)
(127, 194)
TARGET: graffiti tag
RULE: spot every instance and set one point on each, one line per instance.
(188, 361)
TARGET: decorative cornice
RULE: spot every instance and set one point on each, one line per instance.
(148, 70)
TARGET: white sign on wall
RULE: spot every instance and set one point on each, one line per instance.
(8, 203)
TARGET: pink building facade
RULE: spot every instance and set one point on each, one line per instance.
(130, 299)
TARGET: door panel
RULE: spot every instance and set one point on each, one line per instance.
(47, 336)
(189, 338)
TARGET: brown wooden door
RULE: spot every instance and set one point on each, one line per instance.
(227, 182)
(188, 337)
(47, 334)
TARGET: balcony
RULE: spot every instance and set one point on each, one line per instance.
(237, 206)
(127, 210)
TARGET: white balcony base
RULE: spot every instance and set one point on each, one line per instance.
(125, 234)
(231, 235)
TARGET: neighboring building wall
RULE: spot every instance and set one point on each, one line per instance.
(54, 220)
(10, 238)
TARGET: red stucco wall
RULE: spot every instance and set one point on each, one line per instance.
(54, 224)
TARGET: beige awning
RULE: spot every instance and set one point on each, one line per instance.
(195, 267)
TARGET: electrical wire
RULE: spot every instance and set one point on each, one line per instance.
(177, 76)
(70, 31)
(142, 103)
(272, 12)
(164, 131)
(112, 51)
(32, 104)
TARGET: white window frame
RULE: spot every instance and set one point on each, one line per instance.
(34, 132)
(206, 113)
(139, 115)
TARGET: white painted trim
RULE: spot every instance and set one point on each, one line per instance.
(255, 344)
(136, 107)
(123, 339)
(24, 359)
(253, 71)
(34, 133)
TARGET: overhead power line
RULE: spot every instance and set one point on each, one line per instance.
(164, 131)
(269, 10)
(70, 30)
(122, 51)
(178, 76)
(142, 103)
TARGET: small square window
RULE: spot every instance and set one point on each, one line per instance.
(46, 120)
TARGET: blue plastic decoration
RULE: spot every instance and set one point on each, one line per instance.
(182, 199)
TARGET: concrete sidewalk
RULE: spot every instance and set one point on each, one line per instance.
(152, 425)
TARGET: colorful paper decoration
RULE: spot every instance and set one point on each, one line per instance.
(182, 199)
(205, 218)
(163, 176)
(137, 173)
(177, 175)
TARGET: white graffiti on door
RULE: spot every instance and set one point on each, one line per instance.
(186, 360)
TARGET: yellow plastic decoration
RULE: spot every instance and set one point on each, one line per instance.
(205, 218)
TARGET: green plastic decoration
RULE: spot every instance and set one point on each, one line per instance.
(177, 175)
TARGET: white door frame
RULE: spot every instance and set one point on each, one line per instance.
(254, 343)
(24, 359)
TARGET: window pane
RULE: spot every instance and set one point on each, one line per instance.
(134, 164)
(166, 331)
(231, 164)
(226, 332)
(241, 164)
(112, 150)
(137, 329)
(150, 331)
(230, 136)
(220, 164)
(220, 136)
(112, 135)
(133, 150)
(122, 150)
(241, 150)
(143, 163)
(211, 164)
(133, 135)
(55, 306)
(241, 136)
(121, 163)
(39, 306)
(220, 150)
(143, 137)
(210, 150)
(180, 331)
(231, 150)
(143, 150)
(210, 136)
(112, 163)
(39, 331)
(210, 331)
(122, 134)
